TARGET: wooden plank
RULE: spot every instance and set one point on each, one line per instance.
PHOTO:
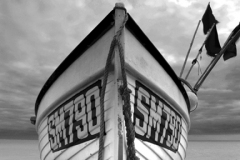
(42, 126)
(141, 147)
(180, 154)
(43, 133)
(45, 145)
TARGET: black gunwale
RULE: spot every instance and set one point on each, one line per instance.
(95, 35)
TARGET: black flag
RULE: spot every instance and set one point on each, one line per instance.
(232, 49)
(230, 52)
(208, 19)
(212, 44)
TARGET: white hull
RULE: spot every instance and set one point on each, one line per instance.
(66, 133)
(89, 149)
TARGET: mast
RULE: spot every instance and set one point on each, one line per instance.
(215, 60)
(199, 52)
(184, 64)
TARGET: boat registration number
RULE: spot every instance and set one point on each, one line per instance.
(77, 120)
(155, 120)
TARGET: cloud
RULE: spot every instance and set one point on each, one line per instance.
(216, 90)
(216, 120)
(217, 113)
(36, 36)
(31, 48)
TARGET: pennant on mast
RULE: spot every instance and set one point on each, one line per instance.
(232, 49)
(208, 19)
(212, 44)
(233, 37)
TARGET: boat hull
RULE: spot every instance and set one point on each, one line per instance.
(88, 148)
(68, 107)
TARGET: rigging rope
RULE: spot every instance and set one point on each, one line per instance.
(125, 92)
(199, 66)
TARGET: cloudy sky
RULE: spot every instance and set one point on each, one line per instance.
(35, 37)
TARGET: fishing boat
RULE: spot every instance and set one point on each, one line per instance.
(89, 85)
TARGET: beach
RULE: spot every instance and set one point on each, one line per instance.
(197, 150)
(213, 150)
(12, 149)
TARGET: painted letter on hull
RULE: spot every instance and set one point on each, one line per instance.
(76, 120)
(155, 120)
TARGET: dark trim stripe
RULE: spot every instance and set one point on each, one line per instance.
(100, 30)
(132, 26)
(91, 38)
